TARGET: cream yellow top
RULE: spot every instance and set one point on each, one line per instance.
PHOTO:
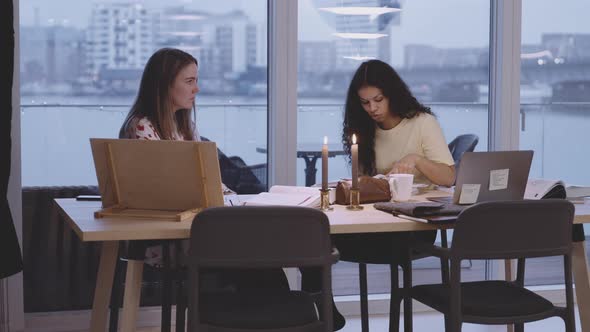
(420, 135)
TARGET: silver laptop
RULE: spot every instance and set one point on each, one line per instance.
(491, 176)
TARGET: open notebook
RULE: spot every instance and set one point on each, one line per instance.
(288, 195)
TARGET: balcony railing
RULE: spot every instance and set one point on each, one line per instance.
(56, 135)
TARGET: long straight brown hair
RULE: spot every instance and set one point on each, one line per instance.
(153, 98)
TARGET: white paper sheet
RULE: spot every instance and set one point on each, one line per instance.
(499, 179)
(469, 193)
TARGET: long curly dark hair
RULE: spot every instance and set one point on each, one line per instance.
(153, 97)
(357, 121)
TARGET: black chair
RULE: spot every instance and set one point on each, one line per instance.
(502, 230)
(251, 179)
(247, 237)
(235, 174)
(390, 249)
(461, 144)
(458, 146)
(239, 177)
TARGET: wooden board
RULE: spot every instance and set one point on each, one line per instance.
(156, 178)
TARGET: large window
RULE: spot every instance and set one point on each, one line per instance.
(441, 50)
(80, 71)
(80, 66)
(555, 99)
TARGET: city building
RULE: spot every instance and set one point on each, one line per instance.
(52, 54)
(416, 56)
(120, 36)
(179, 27)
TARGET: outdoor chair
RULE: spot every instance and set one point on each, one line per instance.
(461, 144)
(239, 177)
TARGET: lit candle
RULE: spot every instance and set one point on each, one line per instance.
(354, 151)
(325, 164)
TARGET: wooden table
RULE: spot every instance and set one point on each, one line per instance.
(80, 216)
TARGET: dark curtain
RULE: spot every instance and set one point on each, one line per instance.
(10, 256)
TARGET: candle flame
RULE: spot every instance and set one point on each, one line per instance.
(353, 138)
(325, 139)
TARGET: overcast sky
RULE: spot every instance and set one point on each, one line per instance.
(449, 23)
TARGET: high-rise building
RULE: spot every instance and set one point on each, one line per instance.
(51, 54)
(225, 44)
(315, 57)
(261, 45)
(236, 39)
(418, 55)
(120, 37)
(33, 45)
(182, 28)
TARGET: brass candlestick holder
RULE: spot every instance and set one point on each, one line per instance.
(325, 200)
(354, 200)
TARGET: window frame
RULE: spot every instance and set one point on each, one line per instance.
(504, 91)
(504, 109)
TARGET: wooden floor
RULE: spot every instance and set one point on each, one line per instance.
(545, 271)
(539, 271)
(430, 322)
(434, 322)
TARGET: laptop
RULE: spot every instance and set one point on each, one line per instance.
(490, 176)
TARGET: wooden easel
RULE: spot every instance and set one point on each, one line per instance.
(156, 179)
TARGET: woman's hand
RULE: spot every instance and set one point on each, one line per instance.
(406, 165)
(436, 173)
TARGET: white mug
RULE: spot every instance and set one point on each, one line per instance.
(400, 186)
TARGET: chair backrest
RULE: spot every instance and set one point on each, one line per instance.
(238, 176)
(461, 144)
(514, 229)
(251, 178)
(260, 236)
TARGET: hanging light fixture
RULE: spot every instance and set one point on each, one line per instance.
(361, 24)
(372, 12)
(353, 35)
(358, 57)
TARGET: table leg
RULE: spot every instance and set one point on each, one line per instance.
(310, 170)
(509, 275)
(132, 294)
(104, 284)
(582, 283)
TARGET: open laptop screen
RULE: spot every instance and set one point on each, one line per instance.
(492, 176)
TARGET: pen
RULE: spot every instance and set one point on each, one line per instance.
(230, 202)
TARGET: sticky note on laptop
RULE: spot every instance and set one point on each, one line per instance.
(499, 179)
(469, 193)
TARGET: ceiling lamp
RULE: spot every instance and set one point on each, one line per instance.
(183, 33)
(359, 57)
(186, 17)
(350, 35)
(373, 12)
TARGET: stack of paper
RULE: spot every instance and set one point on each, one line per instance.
(287, 195)
(544, 188)
(577, 191)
